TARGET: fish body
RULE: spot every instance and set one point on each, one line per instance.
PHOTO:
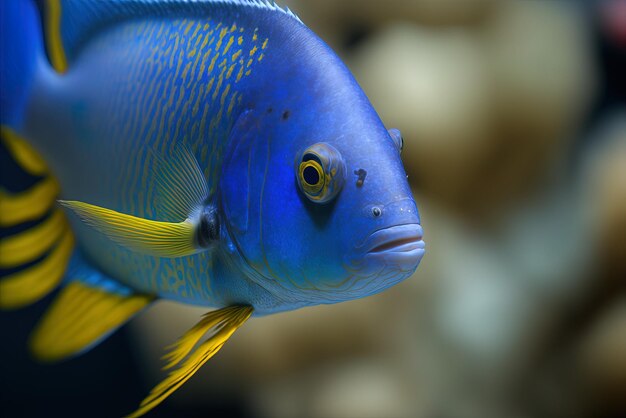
(228, 122)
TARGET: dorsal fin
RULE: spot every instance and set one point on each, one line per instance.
(70, 23)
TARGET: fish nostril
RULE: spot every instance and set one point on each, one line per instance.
(376, 211)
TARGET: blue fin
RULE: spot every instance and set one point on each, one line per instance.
(21, 48)
(87, 310)
(79, 20)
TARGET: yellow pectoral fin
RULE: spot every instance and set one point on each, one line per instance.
(161, 239)
(79, 317)
(222, 324)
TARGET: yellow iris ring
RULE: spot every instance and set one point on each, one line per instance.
(312, 189)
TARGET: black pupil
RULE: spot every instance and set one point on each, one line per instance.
(311, 176)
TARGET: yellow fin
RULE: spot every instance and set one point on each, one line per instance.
(31, 284)
(223, 323)
(34, 242)
(28, 205)
(23, 154)
(79, 317)
(161, 239)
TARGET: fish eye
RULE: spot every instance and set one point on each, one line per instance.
(396, 136)
(320, 172)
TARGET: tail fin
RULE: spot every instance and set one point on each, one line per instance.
(21, 51)
(35, 239)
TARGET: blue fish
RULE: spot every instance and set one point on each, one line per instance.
(211, 152)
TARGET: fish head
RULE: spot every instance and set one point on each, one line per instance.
(319, 208)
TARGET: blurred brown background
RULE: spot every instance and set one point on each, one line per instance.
(514, 120)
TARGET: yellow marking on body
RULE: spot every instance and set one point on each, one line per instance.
(231, 105)
(249, 63)
(203, 120)
(212, 64)
(29, 285)
(33, 243)
(260, 57)
(254, 35)
(220, 80)
(28, 205)
(228, 45)
(220, 325)
(236, 55)
(196, 104)
(179, 63)
(233, 27)
(188, 28)
(186, 70)
(253, 50)
(80, 316)
(22, 152)
(240, 40)
(230, 71)
(194, 35)
(54, 42)
(191, 53)
(240, 73)
(224, 94)
(220, 39)
(248, 72)
(264, 43)
(205, 41)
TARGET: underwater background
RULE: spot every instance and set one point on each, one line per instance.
(513, 114)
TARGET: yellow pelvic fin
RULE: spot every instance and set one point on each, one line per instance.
(23, 154)
(28, 205)
(222, 324)
(31, 284)
(34, 242)
(161, 239)
(79, 317)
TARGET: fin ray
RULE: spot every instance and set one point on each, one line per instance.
(182, 183)
(162, 239)
(71, 325)
(223, 324)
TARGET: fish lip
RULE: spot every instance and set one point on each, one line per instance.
(405, 238)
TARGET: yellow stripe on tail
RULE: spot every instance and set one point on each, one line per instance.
(222, 324)
(29, 285)
(49, 237)
(32, 243)
(79, 317)
(23, 154)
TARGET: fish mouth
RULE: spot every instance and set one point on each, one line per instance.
(405, 238)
